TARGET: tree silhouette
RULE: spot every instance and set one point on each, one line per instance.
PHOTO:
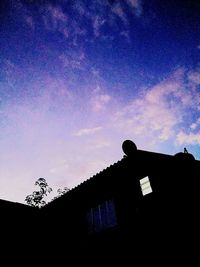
(36, 199)
(61, 192)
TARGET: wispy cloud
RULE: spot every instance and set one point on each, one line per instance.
(160, 111)
(188, 138)
(81, 8)
(55, 19)
(73, 59)
(195, 124)
(99, 102)
(40, 137)
(118, 10)
(30, 22)
(87, 131)
(152, 113)
(71, 27)
(97, 24)
(126, 35)
(194, 76)
(136, 6)
(13, 74)
(134, 3)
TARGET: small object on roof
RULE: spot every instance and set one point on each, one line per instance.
(185, 150)
(129, 147)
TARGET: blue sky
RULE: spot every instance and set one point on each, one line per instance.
(79, 77)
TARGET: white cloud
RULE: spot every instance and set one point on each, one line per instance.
(195, 124)
(175, 90)
(142, 117)
(194, 76)
(158, 113)
(151, 113)
(87, 131)
(188, 138)
(99, 102)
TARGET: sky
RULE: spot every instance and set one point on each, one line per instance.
(77, 78)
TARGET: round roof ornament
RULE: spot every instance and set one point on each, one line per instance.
(184, 156)
(129, 147)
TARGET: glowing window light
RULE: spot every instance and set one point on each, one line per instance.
(145, 186)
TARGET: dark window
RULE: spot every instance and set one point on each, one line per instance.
(102, 217)
(90, 221)
(110, 210)
(97, 219)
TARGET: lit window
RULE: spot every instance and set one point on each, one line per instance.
(145, 186)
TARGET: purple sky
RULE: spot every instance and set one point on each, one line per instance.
(77, 78)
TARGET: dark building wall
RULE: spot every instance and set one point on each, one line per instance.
(167, 215)
(18, 232)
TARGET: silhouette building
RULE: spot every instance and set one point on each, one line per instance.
(143, 206)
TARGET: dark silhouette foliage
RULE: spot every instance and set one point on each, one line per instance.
(61, 192)
(36, 199)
